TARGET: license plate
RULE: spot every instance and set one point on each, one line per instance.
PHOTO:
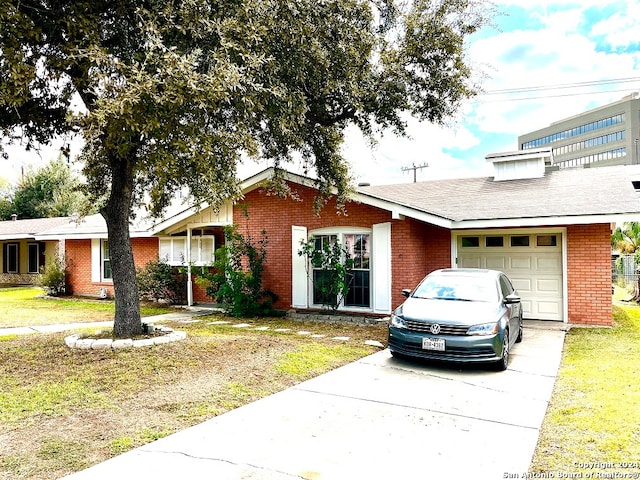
(433, 344)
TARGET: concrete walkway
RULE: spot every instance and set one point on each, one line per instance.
(377, 418)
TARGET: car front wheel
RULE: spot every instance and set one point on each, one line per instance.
(503, 363)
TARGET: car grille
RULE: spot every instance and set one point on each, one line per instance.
(444, 329)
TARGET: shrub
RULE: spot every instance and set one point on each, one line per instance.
(160, 282)
(236, 279)
(53, 279)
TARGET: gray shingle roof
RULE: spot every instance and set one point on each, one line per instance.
(30, 227)
(561, 193)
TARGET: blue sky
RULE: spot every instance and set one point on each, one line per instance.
(533, 44)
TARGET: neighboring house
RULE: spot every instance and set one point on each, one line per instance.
(548, 230)
(23, 256)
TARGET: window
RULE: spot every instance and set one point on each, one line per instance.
(470, 242)
(173, 250)
(358, 249)
(36, 257)
(546, 240)
(11, 258)
(494, 241)
(106, 261)
(520, 241)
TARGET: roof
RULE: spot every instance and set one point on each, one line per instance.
(91, 226)
(28, 228)
(601, 194)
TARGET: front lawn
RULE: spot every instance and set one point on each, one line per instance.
(62, 410)
(24, 306)
(592, 425)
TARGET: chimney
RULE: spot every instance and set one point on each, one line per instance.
(14, 217)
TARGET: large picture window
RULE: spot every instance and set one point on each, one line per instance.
(358, 249)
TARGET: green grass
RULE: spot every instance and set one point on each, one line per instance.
(24, 306)
(594, 413)
(308, 360)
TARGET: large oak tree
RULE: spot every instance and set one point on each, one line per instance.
(176, 93)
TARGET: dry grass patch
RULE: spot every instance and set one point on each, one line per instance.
(62, 410)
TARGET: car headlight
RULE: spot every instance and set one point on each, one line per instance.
(483, 329)
(396, 319)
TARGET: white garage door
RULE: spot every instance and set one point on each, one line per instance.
(533, 261)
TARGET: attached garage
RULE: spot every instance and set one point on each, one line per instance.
(531, 258)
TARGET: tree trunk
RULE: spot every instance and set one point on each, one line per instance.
(127, 320)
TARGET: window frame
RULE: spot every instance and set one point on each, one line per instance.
(196, 256)
(339, 234)
(8, 256)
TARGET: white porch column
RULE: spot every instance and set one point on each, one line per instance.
(189, 287)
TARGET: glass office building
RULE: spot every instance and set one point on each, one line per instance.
(607, 135)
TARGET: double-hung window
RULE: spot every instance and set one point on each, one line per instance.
(106, 261)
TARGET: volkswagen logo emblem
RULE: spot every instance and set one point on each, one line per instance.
(435, 329)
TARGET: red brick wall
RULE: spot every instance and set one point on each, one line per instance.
(589, 274)
(416, 248)
(78, 257)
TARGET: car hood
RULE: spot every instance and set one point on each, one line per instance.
(452, 312)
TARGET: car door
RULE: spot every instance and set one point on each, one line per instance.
(513, 309)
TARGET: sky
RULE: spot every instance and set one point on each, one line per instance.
(541, 61)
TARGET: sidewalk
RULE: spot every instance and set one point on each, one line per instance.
(64, 327)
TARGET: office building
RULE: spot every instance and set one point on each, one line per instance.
(607, 135)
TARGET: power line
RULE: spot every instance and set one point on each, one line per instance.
(538, 88)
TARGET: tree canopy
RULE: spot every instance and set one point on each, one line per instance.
(50, 191)
(177, 93)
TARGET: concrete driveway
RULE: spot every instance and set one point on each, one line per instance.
(377, 418)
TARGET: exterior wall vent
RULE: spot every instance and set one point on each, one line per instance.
(521, 164)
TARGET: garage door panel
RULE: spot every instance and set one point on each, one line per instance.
(547, 310)
(470, 262)
(522, 285)
(548, 285)
(520, 263)
(527, 308)
(548, 263)
(496, 263)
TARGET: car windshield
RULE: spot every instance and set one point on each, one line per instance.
(466, 288)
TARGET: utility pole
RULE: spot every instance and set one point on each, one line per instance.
(415, 168)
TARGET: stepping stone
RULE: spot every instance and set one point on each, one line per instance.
(303, 333)
(341, 339)
(318, 336)
(374, 343)
(219, 322)
(262, 329)
(241, 325)
(282, 330)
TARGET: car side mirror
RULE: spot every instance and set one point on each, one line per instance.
(406, 292)
(513, 298)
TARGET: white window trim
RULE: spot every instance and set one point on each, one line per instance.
(97, 273)
(188, 250)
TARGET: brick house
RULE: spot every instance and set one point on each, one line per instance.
(549, 230)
